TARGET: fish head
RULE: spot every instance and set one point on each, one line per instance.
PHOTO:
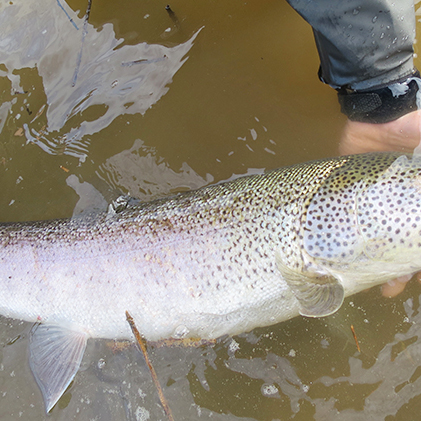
(365, 219)
(388, 214)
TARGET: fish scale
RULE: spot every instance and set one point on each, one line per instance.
(217, 261)
(198, 254)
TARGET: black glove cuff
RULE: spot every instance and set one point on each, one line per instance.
(380, 105)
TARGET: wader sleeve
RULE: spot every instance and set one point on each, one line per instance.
(366, 53)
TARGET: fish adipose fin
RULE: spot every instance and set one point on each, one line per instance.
(318, 296)
(55, 357)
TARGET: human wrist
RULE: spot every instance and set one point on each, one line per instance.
(382, 104)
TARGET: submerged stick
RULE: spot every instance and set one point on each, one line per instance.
(68, 16)
(143, 61)
(84, 33)
(355, 338)
(142, 345)
(173, 16)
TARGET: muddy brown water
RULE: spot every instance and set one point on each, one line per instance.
(163, 103)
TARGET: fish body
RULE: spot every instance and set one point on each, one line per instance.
(219, 260)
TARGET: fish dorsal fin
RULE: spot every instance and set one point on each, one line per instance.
(55, 357)
(120, 204)
(318, 295)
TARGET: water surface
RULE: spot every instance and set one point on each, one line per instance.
(136, 101)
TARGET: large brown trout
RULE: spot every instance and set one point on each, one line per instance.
(216, 261)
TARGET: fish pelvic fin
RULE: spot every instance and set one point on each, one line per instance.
(55, 357)
(317, 295)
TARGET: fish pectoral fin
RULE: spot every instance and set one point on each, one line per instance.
(318, 295)
(55, 357)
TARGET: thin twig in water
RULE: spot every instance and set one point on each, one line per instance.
(143, 61)
(355, 338)
(85, 31)
(173, 16)
(68, 16)
(142, 345)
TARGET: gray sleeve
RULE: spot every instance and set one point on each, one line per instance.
(362, 44)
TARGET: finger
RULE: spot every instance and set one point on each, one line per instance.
(395, 286)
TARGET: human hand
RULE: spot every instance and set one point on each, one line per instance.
(401, 135)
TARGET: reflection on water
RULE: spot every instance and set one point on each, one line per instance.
(90, 199)
(370, 390)
(142, 119)
(112, 80)
(138, 172)
(301, 369)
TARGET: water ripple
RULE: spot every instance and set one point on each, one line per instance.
(123, 79)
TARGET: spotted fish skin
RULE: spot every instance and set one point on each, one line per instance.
(198, 264)
(363, 225)
(219, 260)
(204, 263)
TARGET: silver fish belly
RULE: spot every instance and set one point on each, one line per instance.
(220, 260)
